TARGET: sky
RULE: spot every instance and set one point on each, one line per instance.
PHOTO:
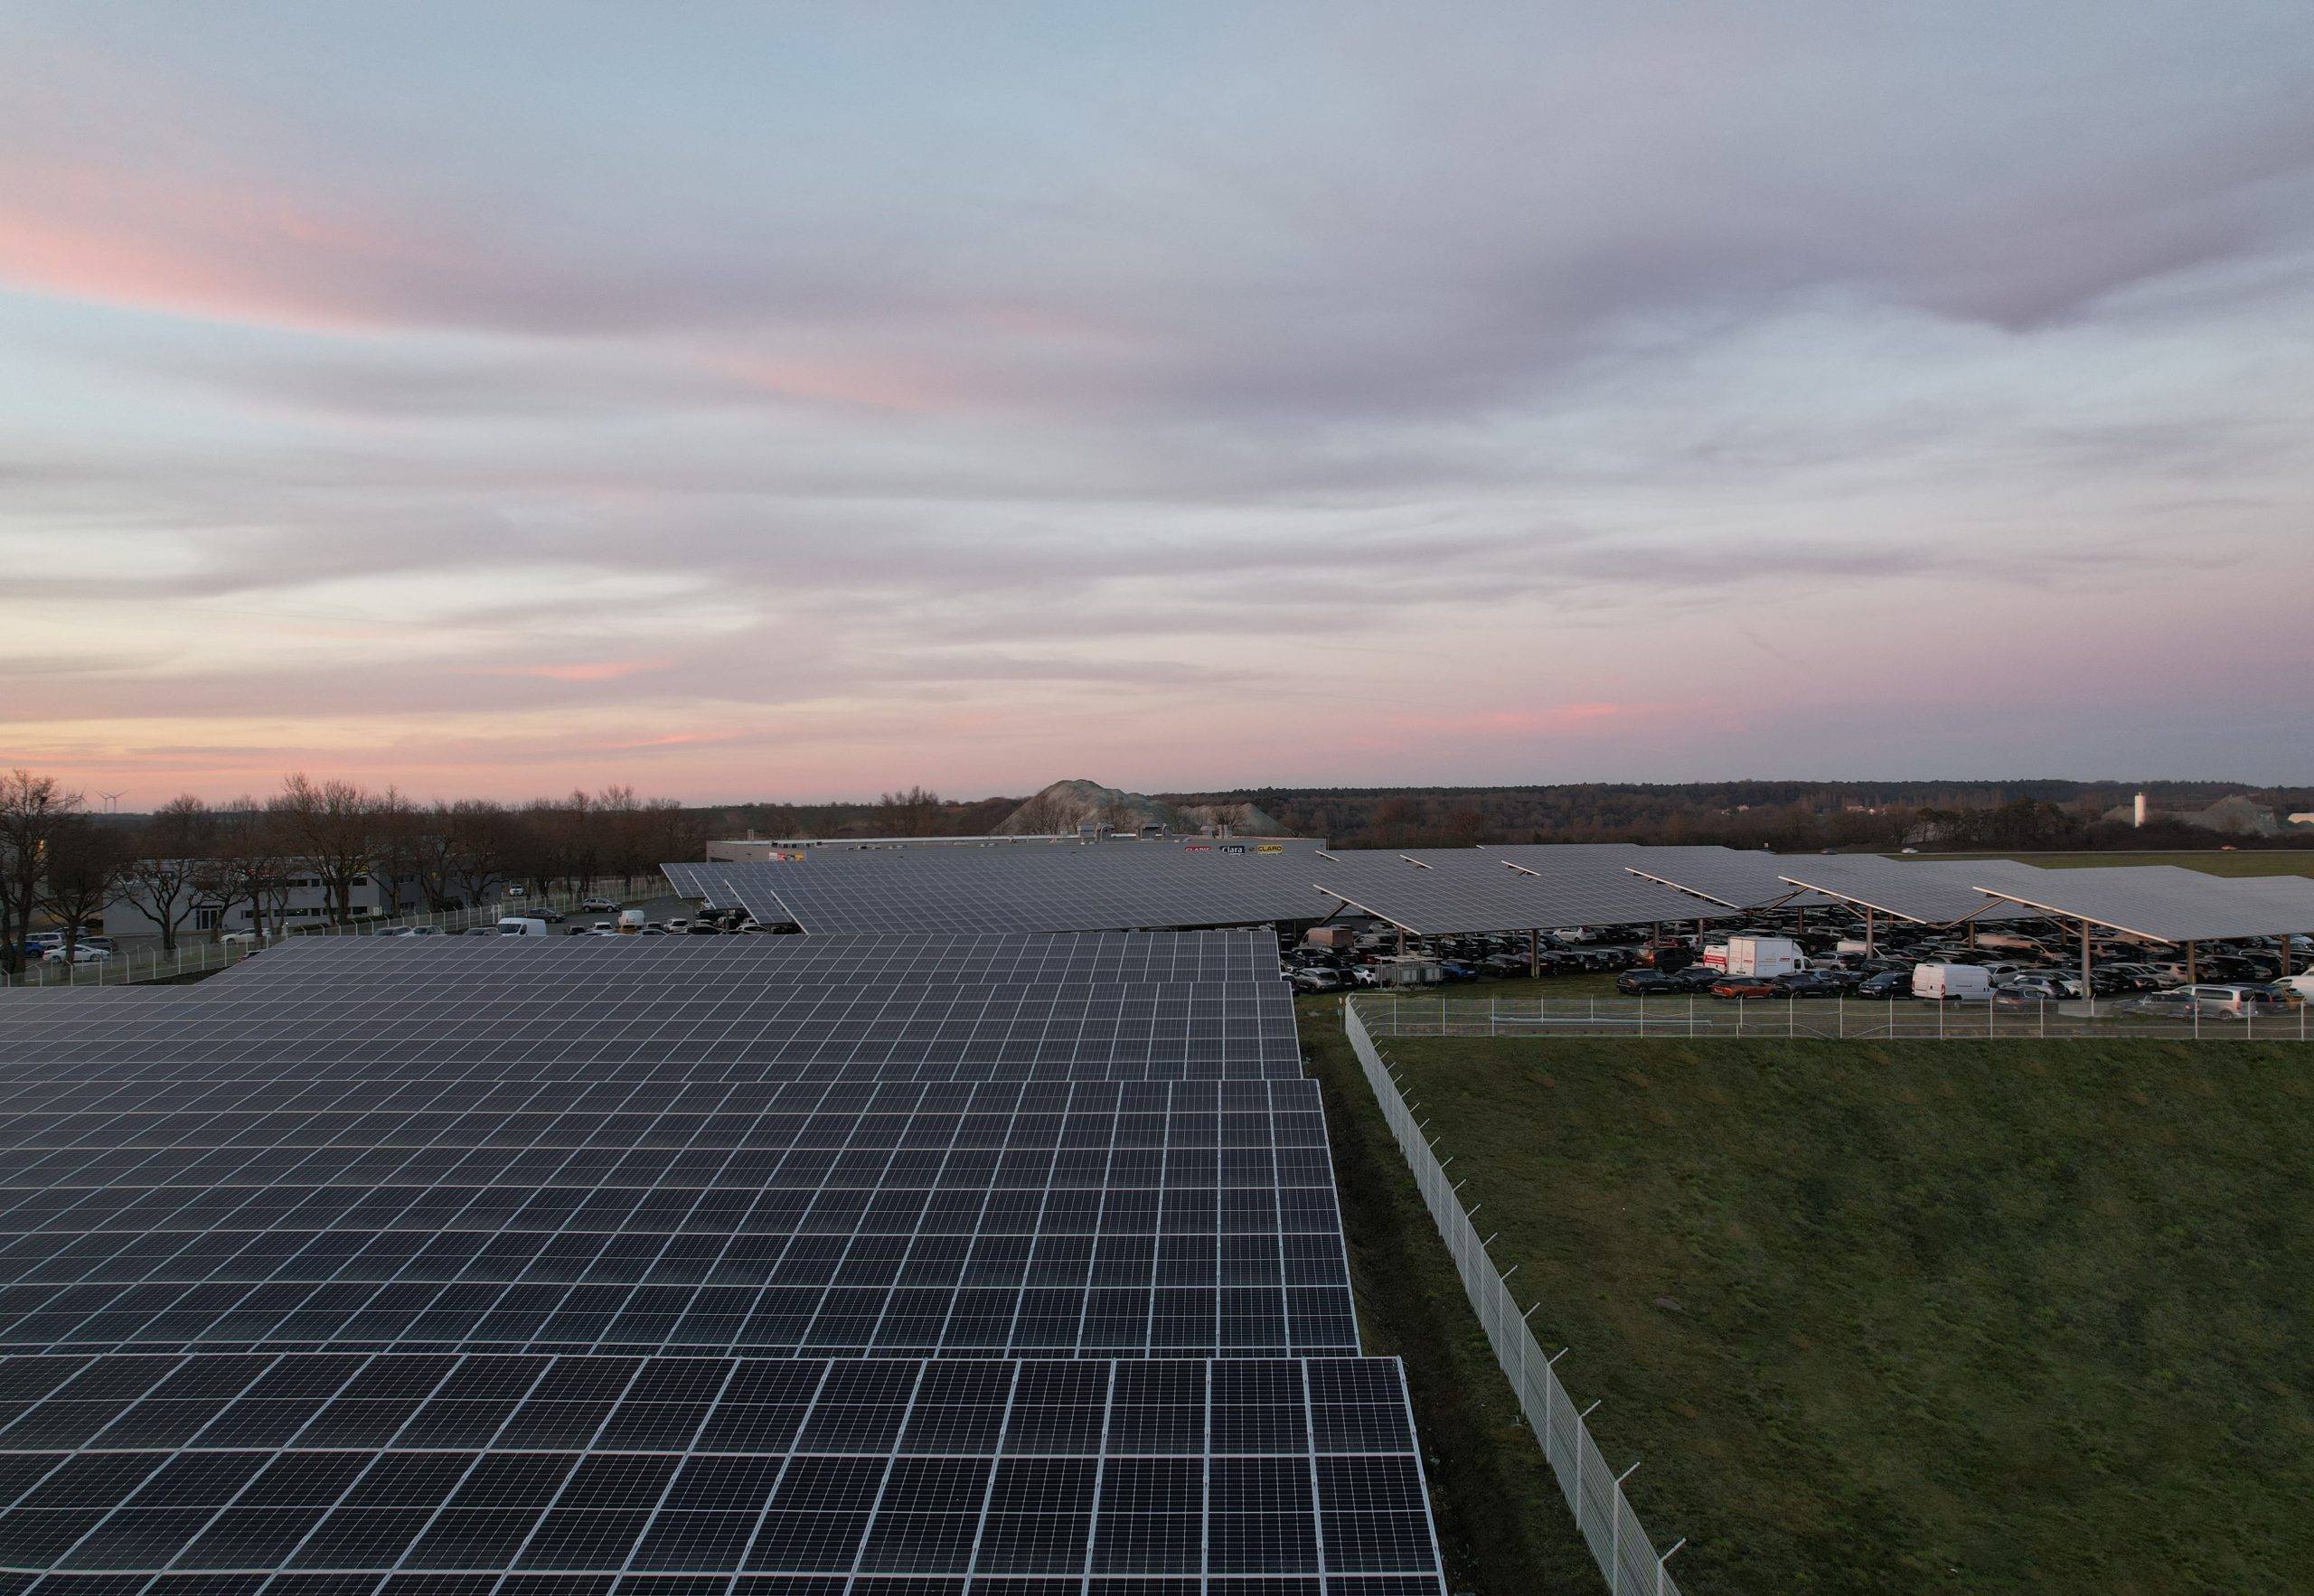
(760, 402)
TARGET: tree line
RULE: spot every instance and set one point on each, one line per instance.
(1789, 817)
(59, 861)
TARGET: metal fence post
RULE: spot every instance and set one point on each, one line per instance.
(1660, 1561)
(1615, 1509)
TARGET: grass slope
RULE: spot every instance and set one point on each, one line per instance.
(1906, 1318)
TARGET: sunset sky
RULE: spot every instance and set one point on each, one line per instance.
(766, 401)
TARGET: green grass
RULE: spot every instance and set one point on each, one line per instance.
(1911, 1317)
(2246, 861)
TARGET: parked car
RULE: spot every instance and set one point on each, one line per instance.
(1315, 981)
(2208, 1002)
(2236, 999)
(1455, 969)
(1746, 986)
(1887, 984)
(600, 905)
(1648, 983)
(2038, 987)
(82, 955)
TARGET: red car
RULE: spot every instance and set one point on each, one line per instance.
(1746, 986)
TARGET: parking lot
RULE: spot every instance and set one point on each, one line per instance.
(2023, 968)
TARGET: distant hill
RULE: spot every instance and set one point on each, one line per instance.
(1066, 806)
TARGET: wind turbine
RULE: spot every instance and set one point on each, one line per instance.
(112, 802)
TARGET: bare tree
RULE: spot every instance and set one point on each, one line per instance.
(86, 862)
(915, 813)
(1118, 815)
(330, 825)
(397, 834)
(485, 846)
(32, 809)
(1043, 815)
(164, 881)
(624, 826)
(241, 850)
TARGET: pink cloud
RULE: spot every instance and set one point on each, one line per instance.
(1554, 718)
(588, 670)
(182, 245)
(871, 384)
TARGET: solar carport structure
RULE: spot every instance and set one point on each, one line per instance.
(1103, 887)
(761, 1266)
(1731, 877)
(1933, 892)
(1434, 892)
(2161, 904)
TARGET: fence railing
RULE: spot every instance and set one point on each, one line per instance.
(1593, 1488)
(1820, 1018)
(195, 955)
(134, 967)
(489, 914)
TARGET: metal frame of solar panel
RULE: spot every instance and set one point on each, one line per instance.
(1443, 891)
(1015, 890)
(294, 1310)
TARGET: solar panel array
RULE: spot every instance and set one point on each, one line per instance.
(1739, 879)
(2164, 902)
(1441, 891)
(761, 1265)
(1932, 892)
(1012, 889)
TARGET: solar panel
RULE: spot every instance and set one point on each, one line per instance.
(861, 1266)
(1737, 879)
(1444, 891)
(2165, 903)
(660, 963)
(1012, 891)
(1932, 892)
(1166, 1216)
(1295, 1476)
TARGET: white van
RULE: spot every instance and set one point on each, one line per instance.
(1939, 982)
(517, 925)
(1763, 955)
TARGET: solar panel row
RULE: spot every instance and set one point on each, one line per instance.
(1012, 891)
(373, 1270)
(685, 965)
(1064, 1219)
(1439, 891)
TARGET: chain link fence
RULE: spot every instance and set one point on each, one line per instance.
(1593, 1488)
(1824, 1019)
